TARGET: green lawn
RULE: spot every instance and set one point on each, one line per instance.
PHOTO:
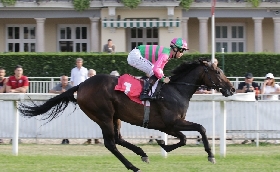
(96, 158)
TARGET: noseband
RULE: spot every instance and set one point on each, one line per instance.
(206, 71)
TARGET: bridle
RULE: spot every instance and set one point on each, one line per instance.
(206, 72)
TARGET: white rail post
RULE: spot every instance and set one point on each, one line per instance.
(213, 126)
(16, 128)
(223, 129)
(164, 137)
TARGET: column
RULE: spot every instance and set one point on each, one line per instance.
(40, 34)
(203, 34)
(258, 34)
(94, 34)
(185, 29)
(276, 21)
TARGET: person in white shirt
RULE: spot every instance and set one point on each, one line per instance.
(270, 87)
(79, 73)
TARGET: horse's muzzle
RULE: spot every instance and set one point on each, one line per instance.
(227, 92)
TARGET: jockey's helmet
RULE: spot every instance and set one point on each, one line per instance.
(179, 43)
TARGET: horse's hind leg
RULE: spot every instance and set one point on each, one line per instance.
(107, 128)
(169, 148)
(119, 140)
(183, 125)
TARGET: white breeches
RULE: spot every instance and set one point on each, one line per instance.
(136, 60)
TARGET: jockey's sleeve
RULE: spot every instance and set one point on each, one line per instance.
(159, 65)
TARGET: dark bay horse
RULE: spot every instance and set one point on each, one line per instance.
(101, 103)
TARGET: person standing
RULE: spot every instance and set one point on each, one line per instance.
(17, 83)
(3, 80)
(79, 73)
(270, 87)
(109, 47)
(60, 88)
(91, 73)
(248, 86)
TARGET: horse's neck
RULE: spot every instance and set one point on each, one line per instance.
(191, 82)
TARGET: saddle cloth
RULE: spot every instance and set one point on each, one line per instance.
(132, 87)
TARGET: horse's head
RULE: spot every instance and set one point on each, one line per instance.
(215, 78)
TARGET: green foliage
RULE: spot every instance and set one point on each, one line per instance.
(81, 5)
(255, 3)
(131, 3)
(186, 4)
(8, 2)
(57, 64)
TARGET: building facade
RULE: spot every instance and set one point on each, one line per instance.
(54, 26)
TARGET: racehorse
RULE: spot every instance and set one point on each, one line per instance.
(107, 107)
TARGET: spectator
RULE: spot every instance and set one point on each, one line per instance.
(270, 87)
(248, 86)
(79, 73)
(110, 47)
(17, 83)
(203, 90)
(3, 80)
(91, 73)
(60, 88)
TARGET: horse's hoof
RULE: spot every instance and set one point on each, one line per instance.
(145, 159)
(212, 160)
(160, 142)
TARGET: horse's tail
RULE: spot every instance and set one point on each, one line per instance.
(52, 108)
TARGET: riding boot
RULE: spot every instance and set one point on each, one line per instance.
(147, 88)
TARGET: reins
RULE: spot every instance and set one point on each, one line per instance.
(214, 86)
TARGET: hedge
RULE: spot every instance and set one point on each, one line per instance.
(57, 64)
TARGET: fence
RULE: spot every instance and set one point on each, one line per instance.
(261, 115)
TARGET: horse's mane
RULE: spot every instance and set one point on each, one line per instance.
(186, 67)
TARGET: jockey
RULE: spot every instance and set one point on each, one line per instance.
(151, 59)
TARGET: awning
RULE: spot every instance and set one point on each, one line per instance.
(138, 23)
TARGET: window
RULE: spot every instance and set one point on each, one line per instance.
(73, 38)
(142, 36)
(231, 37)
(21, 38)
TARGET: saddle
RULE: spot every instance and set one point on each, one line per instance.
(132, 87)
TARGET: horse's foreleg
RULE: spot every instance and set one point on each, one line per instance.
(183, 125)
(169, 148)
(120, 141)
(109, 142)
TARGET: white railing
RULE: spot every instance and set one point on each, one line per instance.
(44, 84)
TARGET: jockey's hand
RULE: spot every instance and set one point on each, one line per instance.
(166, 80)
